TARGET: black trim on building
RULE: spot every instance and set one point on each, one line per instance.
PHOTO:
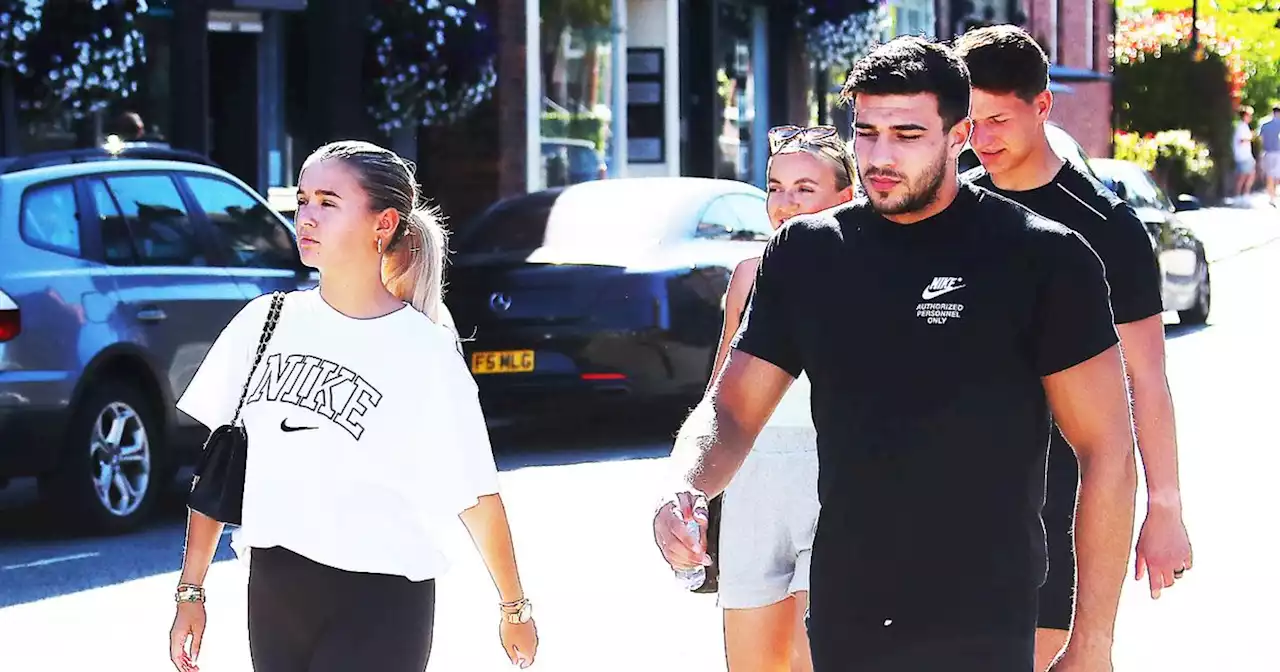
(698, 95)
(189, 76)
(8, 112)
(783, 40)
(335, 73)
(261, 5)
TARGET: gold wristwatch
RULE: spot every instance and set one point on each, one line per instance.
(189, 592)
(520, 611)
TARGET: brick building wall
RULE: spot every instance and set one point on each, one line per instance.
(1076, 33)
(1086, 114)
(1076, 36)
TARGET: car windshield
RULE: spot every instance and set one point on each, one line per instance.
(1059, 140)
(1107, 180)
(1066, 147)
(595, 216)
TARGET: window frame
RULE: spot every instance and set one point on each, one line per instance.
(727, 197)
(201, 235)
(762, 215)
(100, 249)
(86, 241)
(209, 231)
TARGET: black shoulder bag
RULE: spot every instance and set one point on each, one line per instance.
(218, 488)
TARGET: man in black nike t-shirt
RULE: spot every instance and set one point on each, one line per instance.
(939, 324)
(1011, 102)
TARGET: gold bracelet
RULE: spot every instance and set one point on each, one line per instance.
(513, 606)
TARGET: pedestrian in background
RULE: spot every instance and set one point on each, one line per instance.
(1242, 149)
(1269, 133)
(365, 440)
(1011, 103)
(769, 511)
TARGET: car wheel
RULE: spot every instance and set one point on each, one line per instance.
(109, 475)
(1198, 313)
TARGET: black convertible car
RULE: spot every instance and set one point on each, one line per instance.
(601, 291)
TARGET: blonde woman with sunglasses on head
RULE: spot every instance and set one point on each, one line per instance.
(770, 510)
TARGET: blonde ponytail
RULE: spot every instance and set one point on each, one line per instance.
(413, 269)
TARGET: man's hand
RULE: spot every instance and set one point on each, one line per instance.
(681, 550)
(1163, 549)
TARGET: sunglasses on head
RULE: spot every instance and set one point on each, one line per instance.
(781, 136)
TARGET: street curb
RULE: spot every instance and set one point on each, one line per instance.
(1250, 248)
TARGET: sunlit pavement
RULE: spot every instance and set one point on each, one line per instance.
(604, 601)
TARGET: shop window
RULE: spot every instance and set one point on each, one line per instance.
(736, 88)
(576, 78)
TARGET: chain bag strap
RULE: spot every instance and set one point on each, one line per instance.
(218, 488)
(268, 330)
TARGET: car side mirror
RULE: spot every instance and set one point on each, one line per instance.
(1186, 202)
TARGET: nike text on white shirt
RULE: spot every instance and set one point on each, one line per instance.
(294, 383)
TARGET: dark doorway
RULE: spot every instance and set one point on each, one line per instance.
(233, 103)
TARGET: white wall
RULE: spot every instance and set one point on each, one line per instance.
(533, 95)
(654, 23)
(650, 23)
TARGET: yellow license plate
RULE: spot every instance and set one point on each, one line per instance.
(502, 361)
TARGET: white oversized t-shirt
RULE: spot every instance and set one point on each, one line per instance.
(365, 435)
(1242, 142)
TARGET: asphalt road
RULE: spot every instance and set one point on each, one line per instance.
(580, 504)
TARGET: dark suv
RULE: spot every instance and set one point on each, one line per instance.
(117, 272)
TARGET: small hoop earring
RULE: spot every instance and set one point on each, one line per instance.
(379, 246)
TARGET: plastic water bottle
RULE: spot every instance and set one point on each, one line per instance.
(692, 579)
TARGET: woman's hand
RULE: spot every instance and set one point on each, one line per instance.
(189, 622)
(520, 641)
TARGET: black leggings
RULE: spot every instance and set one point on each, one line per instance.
(971, 653)
(309, 617)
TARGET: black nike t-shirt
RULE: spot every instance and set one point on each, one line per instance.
(1110, 226)
(925, 345)
(1077, 200)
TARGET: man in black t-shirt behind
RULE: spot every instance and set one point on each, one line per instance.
(938, 324)
(1011, 103)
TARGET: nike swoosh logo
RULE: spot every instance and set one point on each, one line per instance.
(286, 428)
(933, 294)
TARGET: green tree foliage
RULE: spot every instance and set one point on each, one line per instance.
(1177, 91)
(1254, 25)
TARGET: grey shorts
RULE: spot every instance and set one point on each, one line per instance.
(768, 518)
(1271, 165)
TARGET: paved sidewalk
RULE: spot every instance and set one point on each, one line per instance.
(1228, 230)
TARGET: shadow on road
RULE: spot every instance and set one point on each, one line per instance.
(40, 560)
(600, 439)
(1180, 330)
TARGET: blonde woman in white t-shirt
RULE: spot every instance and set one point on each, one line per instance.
(365, 441)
